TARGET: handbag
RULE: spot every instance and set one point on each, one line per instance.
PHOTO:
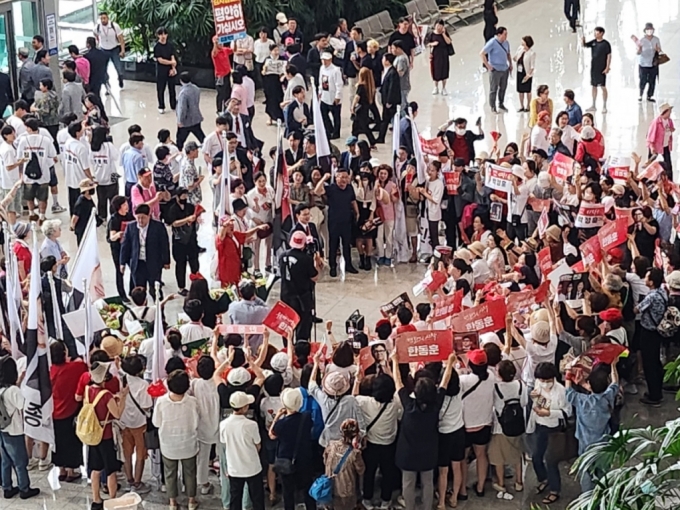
(321, 490)
(287, 466)
(660, 59)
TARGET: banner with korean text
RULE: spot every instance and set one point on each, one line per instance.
(590, 216)
(498, 178)
(230, 23)
(425, 346)
(489, 316)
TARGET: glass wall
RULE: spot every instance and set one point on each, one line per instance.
(76, 22)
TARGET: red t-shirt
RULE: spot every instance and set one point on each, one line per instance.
(221, 61)
(101, 409)
(23, 254)
(113, 385)
(229, 258)
(460, 148)
(65, 380)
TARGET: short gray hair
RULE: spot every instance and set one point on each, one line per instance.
(49, 227)
(23, 52)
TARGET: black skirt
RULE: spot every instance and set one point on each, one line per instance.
(273, 93)
(523, 87)
(364, 214)
(68, 449)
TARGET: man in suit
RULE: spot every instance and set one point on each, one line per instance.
(297, 114)
(188, 111)
(6, 93)
(296, 59)
(390, 93)
(348, 159)
(146, 249)
(319, 45)
(42, 70)
(27, 86)
(352, 62)
(98, 63)
(241, 126)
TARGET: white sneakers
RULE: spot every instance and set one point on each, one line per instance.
(435, 91)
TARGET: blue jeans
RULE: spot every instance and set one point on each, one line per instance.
(114, 56)
(551, 473)
(224, 482)
(14, 455)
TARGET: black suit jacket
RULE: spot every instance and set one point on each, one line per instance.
(300, 63)
(313, 232)
(98, 62)
(247, 127)
(6, 94)
(289, 117)
(157, 248)
(390, 90)
(348, 68)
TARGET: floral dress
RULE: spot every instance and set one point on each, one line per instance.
(47, 104)
(188, 175)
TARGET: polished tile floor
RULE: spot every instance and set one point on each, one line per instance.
(561, 64)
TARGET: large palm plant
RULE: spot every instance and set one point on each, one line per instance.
(640, 470)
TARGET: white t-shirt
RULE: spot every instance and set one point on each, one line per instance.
(192, 332)
(17, 124)
(383, 431)
(451, 414)
(14, 403)
(240, 437)
(509, 391)
(76, 159)
(478, 405)
(108, 35)
(518, 357)
(434, 209)
(537, 353)
(539, 138)
(177, 424)
(265, 203)
(62, 138)
(8, 157)
(269, 406)
(213, 144)
(132, 417)
(103, 163)
(208, 399)
(43, 147)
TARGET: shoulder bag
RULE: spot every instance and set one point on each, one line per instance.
(287, 466)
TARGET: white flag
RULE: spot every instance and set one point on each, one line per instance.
(158, 364)
(13, 304)
(418, 153)
(87, 264)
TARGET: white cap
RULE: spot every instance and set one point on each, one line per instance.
(240, 399)
(281, 18)
(326, 56)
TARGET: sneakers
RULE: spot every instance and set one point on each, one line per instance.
(640, 99)
(650, 99)
(502, 107)
(604, 109)
(193, 505)
(592, 109)
(630, 389)
(161, 111)
(45, 465)
(205, 490)
(9, 494)
(30, 493)
(163, 488)
(445, 92)
(140, 488)
(183, 292)
(121, 84)
(368, 505)
(56, 208)
(435, 91)
(32, 464)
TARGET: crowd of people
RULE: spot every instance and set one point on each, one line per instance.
(576, 248)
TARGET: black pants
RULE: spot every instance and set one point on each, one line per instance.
(666, 159)
(184, 132)
(301, 480)
(332, 127)
(142, 278)
(120, 284)
(387, 116)
(433, 228)
(255, 489)
(650, 349)
(648, 76)
(163, 80)
(105, 193)
(183, 253)
(223, 93)
(380, 456)
(128, 189)
(73, 194)
(336, 232)
(303, 307)
(362, 128)
(451, 221)
(571, 11)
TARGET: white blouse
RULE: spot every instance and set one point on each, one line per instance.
(177, 424)
(529, 60)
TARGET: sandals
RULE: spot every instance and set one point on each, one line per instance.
(551, 498)
(541, 487)
(519, 487)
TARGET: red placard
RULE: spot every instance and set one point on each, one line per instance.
(619, 169)
(438, 279)
(613, 233)
(498, 178)
(282, 319)
(579, 267)
(452, 180)
(590, 216)
(489, 316)
(447, 306)
(521, 300)
(561, 166)
(544, 261)
(591, 252)
(424, 346)
(241, 329)
(651, 172)
(365, 358)
(625, 212)
(539, 204)
(230, 23)
(433, 147)
(543, 222)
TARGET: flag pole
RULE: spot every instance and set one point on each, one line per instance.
(56, 314)
(88, 321)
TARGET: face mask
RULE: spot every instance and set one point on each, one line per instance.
(544, 385)
(183, 200)
(649, 32)
(460, 131)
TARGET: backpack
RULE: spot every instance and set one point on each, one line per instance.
(32, 169)
(5, 417)
(321, 490)
(311, 406)
(511, 419)
(88, 427)
(670, 323)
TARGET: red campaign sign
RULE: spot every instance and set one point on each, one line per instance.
(625, 212)
(619, 168)
(424, 346)
(591, 252)
(651, 172)
(561, 166)
(613, 233)
(544, 261)
(578, 267)
(282, 319)
(521, 300)
(365, 358)
(438, 279)
(543, 223)
(539, 204)
(447, 306)
(487, 317)
(452, 180)
(433, 147)
(230, 23)
(241, 329)
(590, 216)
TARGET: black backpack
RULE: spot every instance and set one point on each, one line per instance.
(33, 170)
(511, 418)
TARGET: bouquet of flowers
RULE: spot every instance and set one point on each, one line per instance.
(132, 343)
(111, 314)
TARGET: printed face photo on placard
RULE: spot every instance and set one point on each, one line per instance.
(464, 343)
(573, 286)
